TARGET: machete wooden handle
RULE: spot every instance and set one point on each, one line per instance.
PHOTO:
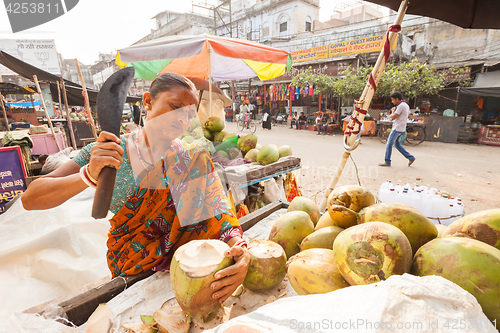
(104, 192)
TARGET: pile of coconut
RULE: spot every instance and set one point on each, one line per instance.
(211, 136)
(355, 242)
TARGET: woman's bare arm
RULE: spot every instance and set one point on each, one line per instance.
(63, 183)
(55, 188)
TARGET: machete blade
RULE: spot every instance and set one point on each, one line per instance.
(110, 101)
(111, 98)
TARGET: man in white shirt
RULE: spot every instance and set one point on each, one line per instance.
(399, 118)
(243, 110)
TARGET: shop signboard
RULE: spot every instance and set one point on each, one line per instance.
(355, 46)
(340, 49)
(12, 175)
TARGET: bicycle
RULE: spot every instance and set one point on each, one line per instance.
(415, 133)
(243, 124)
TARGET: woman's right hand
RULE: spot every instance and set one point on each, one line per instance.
(106, 152)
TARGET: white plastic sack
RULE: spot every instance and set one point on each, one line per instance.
(404, 303)
(47, 254)
(273, 190)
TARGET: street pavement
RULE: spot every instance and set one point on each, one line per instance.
(468, 171)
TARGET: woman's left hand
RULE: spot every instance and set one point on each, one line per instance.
(228, 279)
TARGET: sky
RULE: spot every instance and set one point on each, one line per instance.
(105, 26)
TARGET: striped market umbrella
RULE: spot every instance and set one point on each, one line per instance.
(205, 56)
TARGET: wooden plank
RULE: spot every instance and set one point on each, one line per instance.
(79, 308)
(256, 174)
(249, 220)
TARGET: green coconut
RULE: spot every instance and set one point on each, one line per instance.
(322, 238)
(252, 155)
(234, 152)
(208, 135)
(268, 154)
(290, 229)
(415, 225)
(214, 124)
(483, 226)
(222, 154)
(371, 252)
(284, 151)
(267, 266)
(197, 133)
(472, 264)
(247, 142)
(192, 271)
(188, 139)
(219, 136)
(314, 271)
(306, 205)
(354, 198)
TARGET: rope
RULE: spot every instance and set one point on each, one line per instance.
(387, 52)
(354, 120)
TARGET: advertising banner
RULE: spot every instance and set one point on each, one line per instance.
(12, 175)
(40, 53)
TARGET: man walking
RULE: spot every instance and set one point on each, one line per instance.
(399, 118)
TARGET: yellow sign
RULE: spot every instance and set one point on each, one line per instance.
(354, 46)
(319, 52)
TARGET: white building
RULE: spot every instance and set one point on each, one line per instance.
(268, 20)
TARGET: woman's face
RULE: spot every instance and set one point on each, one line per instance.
(170, 112)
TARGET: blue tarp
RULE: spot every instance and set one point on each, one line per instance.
(24, 105)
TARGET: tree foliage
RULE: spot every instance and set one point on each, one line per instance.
(413, 79)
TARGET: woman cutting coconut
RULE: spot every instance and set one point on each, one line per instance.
(166, 192)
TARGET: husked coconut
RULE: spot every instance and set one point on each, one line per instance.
(267, 266)
(170, 319)
(192, 271)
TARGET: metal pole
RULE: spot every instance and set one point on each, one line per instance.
(350, 140)
(68, 117)
(86, 99)
(46, 111)
(5, 113)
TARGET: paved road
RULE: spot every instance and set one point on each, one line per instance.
(468, 171)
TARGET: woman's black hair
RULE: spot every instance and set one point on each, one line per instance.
(167, 81)
(397, 95)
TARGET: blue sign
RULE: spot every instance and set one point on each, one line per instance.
(12, 175)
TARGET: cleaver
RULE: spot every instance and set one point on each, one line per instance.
(110, 101)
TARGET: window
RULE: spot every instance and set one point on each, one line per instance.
(265, 30)
(283, 26)
(308, 24)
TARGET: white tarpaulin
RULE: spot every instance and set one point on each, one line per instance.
(46, 254)
(404, 303)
